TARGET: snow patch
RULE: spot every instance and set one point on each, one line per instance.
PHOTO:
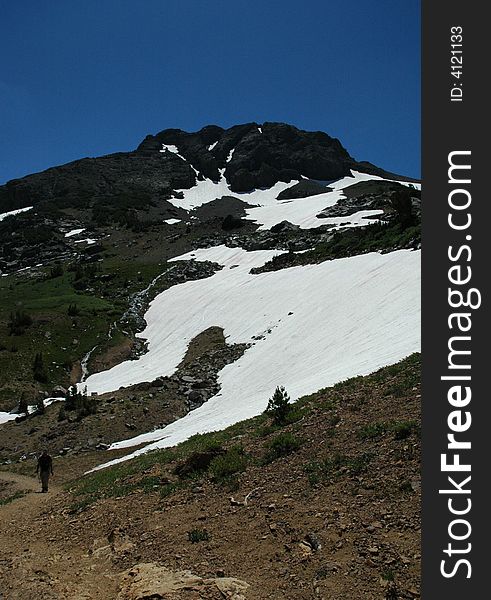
(12, 213)
(5, 417)
(74, 232)
(170, 148)
(172, 221)
(210, 148)
(268, 211)
(88, 241)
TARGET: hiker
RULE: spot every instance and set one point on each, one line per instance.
(44, 469)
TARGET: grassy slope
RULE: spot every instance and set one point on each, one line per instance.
(63, 339)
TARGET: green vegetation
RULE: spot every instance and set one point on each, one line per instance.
(62, 314)
(73, 310)
(400, 429)
(327, 469)
(281, 445)
(38, 369)
(19, 322)
(23, 404)
(12, 497)
(81, 403)
(56, 271)
(51, 332)
(198, 535)
(279, 406)
(234, 461)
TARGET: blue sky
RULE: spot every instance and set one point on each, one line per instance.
(88, 77)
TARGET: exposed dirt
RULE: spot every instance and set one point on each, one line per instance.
(353, 534)
(112, 356)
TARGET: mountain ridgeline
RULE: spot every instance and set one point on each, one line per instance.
(249, 156)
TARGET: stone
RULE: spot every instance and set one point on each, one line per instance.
(149, 580)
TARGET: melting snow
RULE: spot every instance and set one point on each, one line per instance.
(304, 211)
(172, 221)
(11, 416)
(74, 232)
(172, 149)
(349, 317)
(11, 213)
(230, 154)
(89, 241)
(175, 150)
(268, 211)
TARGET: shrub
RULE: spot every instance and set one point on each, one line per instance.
(199, 462)
(327, 468)
(73, 310)
(372, 430)
(40, 405)
(279, 406)
(233, 461)
(62, 413)
(56, 271)
(400, 429)
(19, 322)
(403, 429)
(198, 535)
(282, 445)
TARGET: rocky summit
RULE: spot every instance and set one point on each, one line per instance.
(250, 156)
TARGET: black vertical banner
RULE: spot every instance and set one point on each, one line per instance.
(456, 273)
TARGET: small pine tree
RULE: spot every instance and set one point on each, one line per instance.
(40, 405)
(80, 402)
(39, 370)
(73, 310)
(279, 406)
(19, 322)
(23, 405)
(402, 204)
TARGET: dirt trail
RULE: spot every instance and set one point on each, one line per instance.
(37, 560)
(26, 505)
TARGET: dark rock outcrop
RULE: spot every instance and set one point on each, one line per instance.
(303, 189)
(121, 177)
(250, 156)
(220, 208)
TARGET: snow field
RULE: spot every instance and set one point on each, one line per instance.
(318, 324)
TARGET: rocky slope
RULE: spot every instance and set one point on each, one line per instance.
(325, 506)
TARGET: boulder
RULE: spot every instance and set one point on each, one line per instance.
(149, 580)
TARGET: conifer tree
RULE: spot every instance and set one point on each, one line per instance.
(279, 406)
